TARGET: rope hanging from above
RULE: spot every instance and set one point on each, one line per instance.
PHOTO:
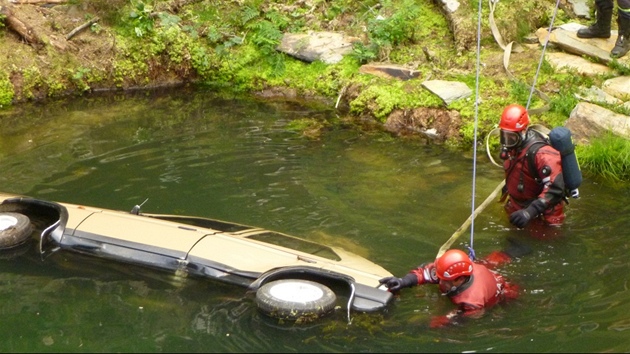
(471, 249)
(507, 50)
(542, 57)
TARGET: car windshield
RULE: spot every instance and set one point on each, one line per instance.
(297, 244)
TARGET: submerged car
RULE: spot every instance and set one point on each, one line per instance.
(294, 279)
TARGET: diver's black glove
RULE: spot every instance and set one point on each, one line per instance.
(521, 218)
(395, 284)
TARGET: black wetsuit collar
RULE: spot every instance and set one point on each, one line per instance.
(460, 289)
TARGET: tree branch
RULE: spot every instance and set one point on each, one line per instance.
(20, 27)
(21, 2)
(81, 28)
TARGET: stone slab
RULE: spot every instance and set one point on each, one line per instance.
(448, 91)
(329, 47)
(565, 38)
(618, 87)
(389, 71)
(565, 62)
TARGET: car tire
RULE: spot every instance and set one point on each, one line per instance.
(295, 300)
(15, 229)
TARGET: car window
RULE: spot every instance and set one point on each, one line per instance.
(296, 244)
(223, 226)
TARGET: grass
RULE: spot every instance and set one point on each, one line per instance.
(608, 156)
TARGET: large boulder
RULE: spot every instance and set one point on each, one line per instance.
(588, 121)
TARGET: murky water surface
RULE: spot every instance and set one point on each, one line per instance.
(391, 200)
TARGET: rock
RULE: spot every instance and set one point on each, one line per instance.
(436, 124)
(448, 91)
(565, 38)
(389, 71)
(329, 47)
(565, 62)
(568, 41)
(450, 5)
(580, 8)
(618, 87)
(597, 95)
(588, 121)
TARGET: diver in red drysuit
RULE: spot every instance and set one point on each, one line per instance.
(536, 191)
(470, 286)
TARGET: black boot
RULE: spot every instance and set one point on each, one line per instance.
(601, 27)
(622, 46)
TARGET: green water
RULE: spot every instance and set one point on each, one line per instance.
(394, 201)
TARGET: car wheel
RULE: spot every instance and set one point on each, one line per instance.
(15, 229)
(295, 300)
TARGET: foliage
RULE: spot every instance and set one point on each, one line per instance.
(395, 25)
(130, 62)
(81, 77)
(141, 19)
(55, 86)
(608, 156)
(563, 103)
(6, 91)
(622, 70)
(382, 98)
(32, 80)
(266, 33)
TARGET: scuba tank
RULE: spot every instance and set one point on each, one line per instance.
(560, 139)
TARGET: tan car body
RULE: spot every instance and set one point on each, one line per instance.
(230, 252)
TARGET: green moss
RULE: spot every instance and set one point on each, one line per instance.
(242, 69)
(381, 97)
(6, 90)
(55, 86)
(131, 61)
(312, 79)
(308, 127)
(32, 81)
(82, 78)
(232, 45)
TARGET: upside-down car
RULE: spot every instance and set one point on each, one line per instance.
(293, 278)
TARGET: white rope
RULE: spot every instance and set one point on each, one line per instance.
(542, 55)
(492, 3)
(474, 179)
(507, 50)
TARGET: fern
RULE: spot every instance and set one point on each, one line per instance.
(249, 13)
(265, 34)
(278, 19)
(397, 26)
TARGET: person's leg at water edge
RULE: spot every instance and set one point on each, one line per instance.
(622, 45)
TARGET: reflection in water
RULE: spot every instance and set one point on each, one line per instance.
(393, 201)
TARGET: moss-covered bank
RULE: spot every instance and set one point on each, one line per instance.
(231, 45)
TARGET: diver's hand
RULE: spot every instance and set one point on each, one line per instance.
(395, 284)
